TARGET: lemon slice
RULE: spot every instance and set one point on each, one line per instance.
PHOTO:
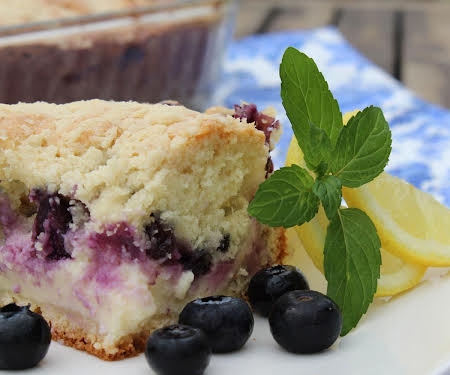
(396, 275)
(411, 223)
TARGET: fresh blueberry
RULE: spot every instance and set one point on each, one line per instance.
(269, 284)
(226, 321)
(178, 349)
(24, 338)
(305, 321)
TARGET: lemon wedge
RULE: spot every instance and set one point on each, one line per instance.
(396, 275)
(411, 223)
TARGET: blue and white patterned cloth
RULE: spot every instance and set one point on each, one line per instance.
(421, 131)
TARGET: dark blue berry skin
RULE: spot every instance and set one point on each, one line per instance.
(53, 217)
(305, 321)
(24, 338)
(227, 321)
(269, 284)
(162, 242)
(178, 349)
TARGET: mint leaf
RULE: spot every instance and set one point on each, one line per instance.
(329, 190)
(352, 264)
(285, 199)
(308, 102)
(317, 150)
(363, 148)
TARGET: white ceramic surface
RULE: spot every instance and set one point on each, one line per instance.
(408, 335)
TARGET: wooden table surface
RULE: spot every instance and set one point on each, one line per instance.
(410, 39)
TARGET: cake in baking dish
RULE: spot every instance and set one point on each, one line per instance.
(114, 214)
(141, 50)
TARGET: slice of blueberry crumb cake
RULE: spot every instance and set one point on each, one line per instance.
(114, 215)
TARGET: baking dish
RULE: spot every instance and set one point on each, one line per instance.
(168, 50)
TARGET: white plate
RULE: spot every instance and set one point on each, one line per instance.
(408, 335)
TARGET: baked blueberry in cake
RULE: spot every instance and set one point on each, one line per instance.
(113, 215)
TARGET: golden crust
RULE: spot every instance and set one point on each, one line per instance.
(88, 123)
(128, 346)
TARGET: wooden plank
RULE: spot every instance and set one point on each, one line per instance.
(426, 51)
(303, 16)
(357, 4)
(250, 16)
(371, 31)
(264, 16)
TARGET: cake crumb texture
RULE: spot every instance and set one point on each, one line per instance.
(126, 160)
(131, 166)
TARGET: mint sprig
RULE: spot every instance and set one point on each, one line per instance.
(329, 190)
(337, 156)
(285, 199)
(352, 262)
(309, 104)
(318, 150)
(363, 148)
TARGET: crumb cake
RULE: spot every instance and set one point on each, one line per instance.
(113, 215)
(142, 50)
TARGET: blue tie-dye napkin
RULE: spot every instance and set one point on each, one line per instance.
(421, 131)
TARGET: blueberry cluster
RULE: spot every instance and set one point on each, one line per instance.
(301, 321)
(217, 324)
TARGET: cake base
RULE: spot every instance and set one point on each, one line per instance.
(128, 346)
(70, 334)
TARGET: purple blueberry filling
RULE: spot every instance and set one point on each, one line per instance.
(52, 222)
(263, 122)
(164, 244)
(8, 216)
(117, 244)
(57, 235)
